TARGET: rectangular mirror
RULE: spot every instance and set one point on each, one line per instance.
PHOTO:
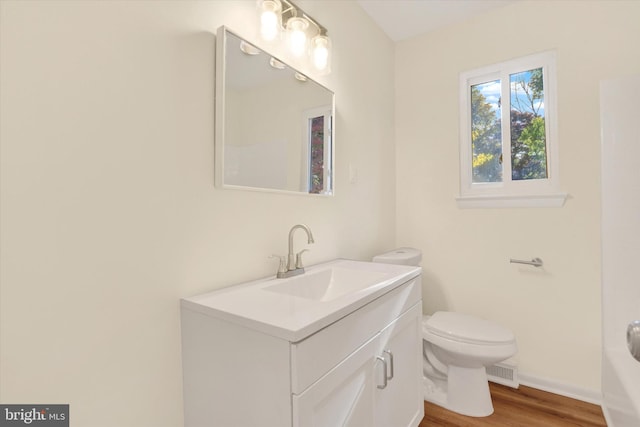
(274, 125)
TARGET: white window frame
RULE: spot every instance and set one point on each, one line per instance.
(510, 193)
(307, 116)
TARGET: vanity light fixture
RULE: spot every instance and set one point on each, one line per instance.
(305, 37)
(321, 51)
(297, 35)
(270, 19)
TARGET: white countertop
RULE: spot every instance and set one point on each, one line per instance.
(291, 317)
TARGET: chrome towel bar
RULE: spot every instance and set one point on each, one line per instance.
(536, 262)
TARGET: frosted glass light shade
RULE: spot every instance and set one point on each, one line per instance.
(270, 19)
(321, 53)
(296, 35)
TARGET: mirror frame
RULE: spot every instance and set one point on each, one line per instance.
(220, 117)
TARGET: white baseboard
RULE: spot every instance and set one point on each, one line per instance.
(557, 387)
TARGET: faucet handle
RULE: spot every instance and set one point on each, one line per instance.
(299, 258)
(282, 268)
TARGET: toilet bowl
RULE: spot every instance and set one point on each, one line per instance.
(457, 349)
(460, 347)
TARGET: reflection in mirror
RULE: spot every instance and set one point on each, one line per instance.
(273, 124)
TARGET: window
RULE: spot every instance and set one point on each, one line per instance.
(508, 142)
(317, 151)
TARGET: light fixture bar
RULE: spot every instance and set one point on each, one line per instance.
(305, 37)
(293, 11)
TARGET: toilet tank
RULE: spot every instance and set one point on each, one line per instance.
(403, 256)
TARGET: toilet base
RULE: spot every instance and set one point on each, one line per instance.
(467, 392)
(433, 392)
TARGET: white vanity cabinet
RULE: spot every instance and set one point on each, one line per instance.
(377, 385)
(362, 369)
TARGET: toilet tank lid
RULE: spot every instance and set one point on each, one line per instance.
(468, 328)
(405, 256)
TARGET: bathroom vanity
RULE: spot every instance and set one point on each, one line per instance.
(337, 346)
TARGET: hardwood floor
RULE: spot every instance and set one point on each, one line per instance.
(523, 407)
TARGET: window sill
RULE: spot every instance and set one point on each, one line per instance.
(555, 200)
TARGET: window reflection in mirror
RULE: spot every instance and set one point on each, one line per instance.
(273, 125)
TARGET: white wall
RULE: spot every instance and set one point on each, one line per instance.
(555, 311)
(108, 210)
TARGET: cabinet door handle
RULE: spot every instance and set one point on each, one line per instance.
(384, 377)
(390, 376)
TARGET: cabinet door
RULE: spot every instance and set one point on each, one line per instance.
(400, 403)
(342, 397)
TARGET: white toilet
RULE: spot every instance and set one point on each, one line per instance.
(457, 349)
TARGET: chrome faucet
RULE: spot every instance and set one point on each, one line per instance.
(294, 261)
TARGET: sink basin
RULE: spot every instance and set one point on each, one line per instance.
(329, 284)
(297, 307)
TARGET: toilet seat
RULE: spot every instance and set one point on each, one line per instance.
(465, 328)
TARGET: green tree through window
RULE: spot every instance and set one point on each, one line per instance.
(486, 135)
(527, 128)
(528, 140)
